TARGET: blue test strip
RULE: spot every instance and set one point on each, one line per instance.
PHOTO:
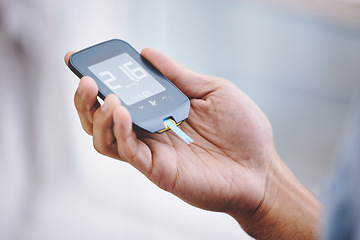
(178, 131)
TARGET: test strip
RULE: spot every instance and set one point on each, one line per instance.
(178, 131)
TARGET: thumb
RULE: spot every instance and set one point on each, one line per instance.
(192, 84)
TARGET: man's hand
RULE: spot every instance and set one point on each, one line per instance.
(231, 165)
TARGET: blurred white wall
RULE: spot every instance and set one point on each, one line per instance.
(299, 68)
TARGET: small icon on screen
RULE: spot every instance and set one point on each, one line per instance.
(153, 103)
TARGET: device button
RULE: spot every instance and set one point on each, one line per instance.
(153, 103)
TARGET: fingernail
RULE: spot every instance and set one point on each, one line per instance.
(80, 91)
(115, 118)
(104, 107)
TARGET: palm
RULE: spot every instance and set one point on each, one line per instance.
(221, 166)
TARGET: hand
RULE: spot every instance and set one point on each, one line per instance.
(228, 168)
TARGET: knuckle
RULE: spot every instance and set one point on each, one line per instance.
(100, 148)
(87, 126)
(88, 129)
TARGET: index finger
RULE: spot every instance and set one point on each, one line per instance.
(67, 57)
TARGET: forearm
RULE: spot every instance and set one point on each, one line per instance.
(288, 211)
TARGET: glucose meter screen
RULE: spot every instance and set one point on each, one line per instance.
(126, 78)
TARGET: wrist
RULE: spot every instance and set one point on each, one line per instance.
(288, 209)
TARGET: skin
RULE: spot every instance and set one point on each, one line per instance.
(231, 167)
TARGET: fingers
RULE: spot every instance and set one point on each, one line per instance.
(103, 137)
(86, 103)
(192, 84)
(85, 99)
(67, 57)
(129, 148)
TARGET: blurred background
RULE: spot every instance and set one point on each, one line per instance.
(299, 61)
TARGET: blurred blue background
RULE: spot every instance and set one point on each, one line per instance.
(299, 62)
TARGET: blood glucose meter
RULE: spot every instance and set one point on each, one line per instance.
(153, 101)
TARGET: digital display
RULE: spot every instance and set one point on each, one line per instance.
(126, 78)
